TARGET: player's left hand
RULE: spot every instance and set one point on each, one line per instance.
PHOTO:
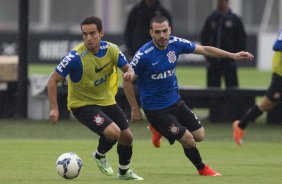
(128, 76)
(136, 115)
(243, 55)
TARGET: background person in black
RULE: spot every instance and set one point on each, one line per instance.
(223, 29)
(138, 23)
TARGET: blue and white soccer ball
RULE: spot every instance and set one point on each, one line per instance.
(68, 165)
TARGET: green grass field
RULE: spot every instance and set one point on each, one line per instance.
(29, 148)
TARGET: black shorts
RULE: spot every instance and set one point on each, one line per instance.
(97, 118)
(274, 91)
(173, 121)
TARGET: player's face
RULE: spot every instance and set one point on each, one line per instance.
(91, 37)
(160, 33)
(222, 5)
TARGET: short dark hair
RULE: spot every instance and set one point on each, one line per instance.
(158, 19)
(93, 20)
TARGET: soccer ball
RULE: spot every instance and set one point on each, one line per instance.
(68, 165)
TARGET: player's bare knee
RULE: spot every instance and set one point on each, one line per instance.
(199, 135)
(266, 104)
(199, 138)
(112, 132)
(266, 107)
(126, 137)
(187, 140)
(116, 135)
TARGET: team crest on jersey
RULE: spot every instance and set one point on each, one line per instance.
(171, 56)
(98, 120)
(173, 129)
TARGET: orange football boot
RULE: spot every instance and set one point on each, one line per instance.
(238, 133)
(156, 137)
(207, 171)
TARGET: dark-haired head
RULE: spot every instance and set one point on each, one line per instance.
(93, 20)
(92, 33)
(158, 19)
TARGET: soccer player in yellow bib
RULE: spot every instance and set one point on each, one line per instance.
(91, 68)
(272, 96)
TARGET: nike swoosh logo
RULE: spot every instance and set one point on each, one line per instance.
(97, 70)
(155, 63)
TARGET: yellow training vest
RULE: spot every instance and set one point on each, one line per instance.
(277, 63)
(98, 85)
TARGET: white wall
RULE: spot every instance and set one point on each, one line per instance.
(236, 6)
(264, 50)
(110, 13)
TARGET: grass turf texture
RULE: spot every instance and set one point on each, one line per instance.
(29, 150)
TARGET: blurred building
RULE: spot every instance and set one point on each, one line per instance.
(61, 18)
(65, 15)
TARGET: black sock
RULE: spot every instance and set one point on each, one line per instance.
(104, 146)
(251, 115)
(195, 157)
(125, 153)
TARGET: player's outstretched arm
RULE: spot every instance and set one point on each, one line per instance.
(219, 53)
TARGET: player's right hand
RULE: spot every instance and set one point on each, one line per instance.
(54, 116)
